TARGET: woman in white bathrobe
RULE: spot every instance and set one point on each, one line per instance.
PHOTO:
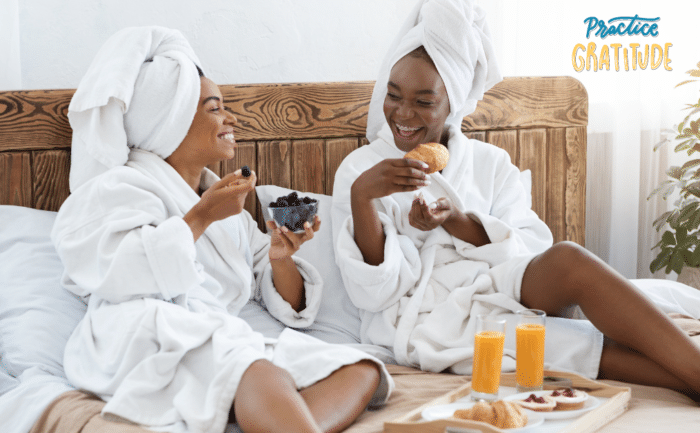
(421, 255)
(167, 257)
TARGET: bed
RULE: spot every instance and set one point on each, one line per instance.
(294, 136)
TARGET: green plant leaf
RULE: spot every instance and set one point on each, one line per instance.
(661, 260)
(661, 221)
(695, 148)
(691, 188)
(695, 221)
(664, 189)
(683, 146)
(668, 238)
(675, 172)
(681, 235)
(695, 258)
(690, 164)
(676, 262)
(688, 210)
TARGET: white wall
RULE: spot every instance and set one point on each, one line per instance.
(238, 41)
(10, 73)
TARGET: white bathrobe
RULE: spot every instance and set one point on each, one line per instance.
(161, 342)
(422, 300)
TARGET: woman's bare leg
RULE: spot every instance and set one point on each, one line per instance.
(267, 401)
(567, 275)
(339, 399)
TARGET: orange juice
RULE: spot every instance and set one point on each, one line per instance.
(488, 354)
(529, 354)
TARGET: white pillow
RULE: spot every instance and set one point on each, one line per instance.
(338, 320)
(37, 315)
(526, 179)
(7, 382)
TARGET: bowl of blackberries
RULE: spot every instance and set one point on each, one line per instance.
(293, 211)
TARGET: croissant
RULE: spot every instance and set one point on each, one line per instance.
(501, 414)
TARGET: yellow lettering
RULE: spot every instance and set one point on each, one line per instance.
(605, 57)
(634, 55)
(643, 64)
(667, 60)
(590, 53)
(654, 63)
(617, 53)
(627, 63)
(578, 67)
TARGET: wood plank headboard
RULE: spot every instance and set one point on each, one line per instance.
(296, 135)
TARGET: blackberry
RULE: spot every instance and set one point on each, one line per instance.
(245, 171)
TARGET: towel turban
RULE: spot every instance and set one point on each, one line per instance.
(457, 38)
(141, 90)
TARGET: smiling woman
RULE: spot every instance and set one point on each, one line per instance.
(468, 243)
(168, 258)
(210, 138)
(416, 105)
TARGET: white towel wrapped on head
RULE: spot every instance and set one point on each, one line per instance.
(455, 35)
(141, 90)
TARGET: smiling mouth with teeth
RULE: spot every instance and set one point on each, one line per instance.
(405, 131)
(228, 137)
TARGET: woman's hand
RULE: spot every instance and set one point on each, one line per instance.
(389, 176)
(285, 242)
(227, 196)
(285, 275)
(223, 199)
(426, 217)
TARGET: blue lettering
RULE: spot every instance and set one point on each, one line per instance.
(628, 26)
(653, 30)
(592, 23)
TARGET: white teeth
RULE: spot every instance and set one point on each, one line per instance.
(228, 137)
(406, 128)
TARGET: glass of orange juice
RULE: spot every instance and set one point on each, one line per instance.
(488, 354)
(529, 350)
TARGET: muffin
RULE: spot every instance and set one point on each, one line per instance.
(433, 154)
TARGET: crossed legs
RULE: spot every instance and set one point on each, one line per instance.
(267, 399)
(642, 345)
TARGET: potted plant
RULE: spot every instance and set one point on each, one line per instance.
(679, 247)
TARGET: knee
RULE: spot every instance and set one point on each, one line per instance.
(367, 373)
(262, 374)
(567, 257)
(569, 264)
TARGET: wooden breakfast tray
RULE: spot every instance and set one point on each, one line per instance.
(617, 398)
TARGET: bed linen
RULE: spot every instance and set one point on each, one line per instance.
(46, 403)
(650, 410)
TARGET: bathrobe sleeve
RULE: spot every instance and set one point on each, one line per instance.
(117, 241)
(370, 288)
(513, 228)
(265, 291)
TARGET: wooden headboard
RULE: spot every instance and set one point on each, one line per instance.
(296, 135)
